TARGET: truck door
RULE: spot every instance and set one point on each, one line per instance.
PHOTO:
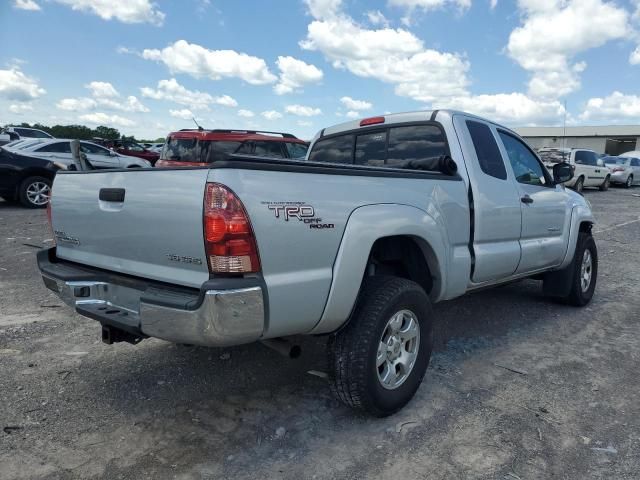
(545, 207)
(495, 199)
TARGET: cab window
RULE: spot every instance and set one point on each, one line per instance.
(526, 167)
(58, 147)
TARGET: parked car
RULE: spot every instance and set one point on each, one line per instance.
(624, 170)
(387, 216)
(589, 170)
(154, 147)
(9, 134)
(27, 167)
(133, 149)
(202, 147)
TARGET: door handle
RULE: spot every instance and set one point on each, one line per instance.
(111, 194)
(526, 199)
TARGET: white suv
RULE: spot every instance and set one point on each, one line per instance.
(589, 170)
(9, 134)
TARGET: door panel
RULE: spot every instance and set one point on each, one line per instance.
(496, 203)
(545, 208)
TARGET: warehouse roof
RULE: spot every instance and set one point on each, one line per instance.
(593, 131)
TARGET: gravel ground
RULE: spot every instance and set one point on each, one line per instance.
(72, 407)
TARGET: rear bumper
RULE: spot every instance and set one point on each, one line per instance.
(214, 316)
(619, 177)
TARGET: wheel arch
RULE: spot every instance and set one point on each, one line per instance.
(385, 236)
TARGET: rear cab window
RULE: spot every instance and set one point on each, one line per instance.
(391, 146)
(192, 150)
(487, 150)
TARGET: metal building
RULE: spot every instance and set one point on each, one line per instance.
(609, 139)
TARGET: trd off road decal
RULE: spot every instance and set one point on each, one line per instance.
(299, 211)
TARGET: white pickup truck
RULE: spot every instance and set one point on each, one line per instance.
(385, 217)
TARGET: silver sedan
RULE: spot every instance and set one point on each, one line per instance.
(624, 170)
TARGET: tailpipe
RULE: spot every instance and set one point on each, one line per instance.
(283, 347)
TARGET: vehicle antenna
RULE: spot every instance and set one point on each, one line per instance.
(197, 124)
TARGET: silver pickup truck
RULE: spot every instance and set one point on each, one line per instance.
(384, 217)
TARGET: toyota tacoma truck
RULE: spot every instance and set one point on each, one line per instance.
(385, 217)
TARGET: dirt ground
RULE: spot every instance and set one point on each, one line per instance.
(72, 407)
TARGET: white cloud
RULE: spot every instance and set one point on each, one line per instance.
(26, 5)
(271, 115)
(555, 31)
(129, 11)
(20, 108)
(100, 118)
(493, 4)
(634, 58)
(302, 110)
(197, 61)
(428, 4)
(294, 74)
(102, 90)
(15, 85)
(246, 113)
(76, 104)
(376, 18)
(352, 104)
(515, 108)
(184, 114)
(131, 104)
(352, 114)
(170, 90)
(613, 108)
(394, 56)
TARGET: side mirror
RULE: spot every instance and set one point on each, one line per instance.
(600, 163)
(562, 172)
(112, 153)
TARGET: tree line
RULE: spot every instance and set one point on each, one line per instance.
(82, 132)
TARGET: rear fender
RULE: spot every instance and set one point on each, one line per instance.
(366, 225)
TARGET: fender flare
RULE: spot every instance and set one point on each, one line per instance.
(367, 224)
(579, 215)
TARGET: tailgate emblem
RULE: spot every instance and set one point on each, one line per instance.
(183, 259)
(64, 238)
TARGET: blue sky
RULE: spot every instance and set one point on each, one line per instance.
(147, 67)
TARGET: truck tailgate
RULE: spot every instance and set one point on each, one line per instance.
(145, 222)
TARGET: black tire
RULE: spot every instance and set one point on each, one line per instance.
(25, 192)
(605, 185)
(629, 182)
(579, 185)
(578, 296)
(353, 371)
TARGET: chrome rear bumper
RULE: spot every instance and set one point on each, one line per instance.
(213, 318)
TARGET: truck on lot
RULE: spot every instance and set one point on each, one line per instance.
(385, 217)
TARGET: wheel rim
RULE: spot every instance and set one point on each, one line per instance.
(606, 183)
(629, 181)
(38, 193)
(579, 186)
(398, 349)
(586, 270)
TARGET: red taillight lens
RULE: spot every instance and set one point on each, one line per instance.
(371, 121)
(229, 241)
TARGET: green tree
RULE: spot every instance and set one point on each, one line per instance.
(107, 133)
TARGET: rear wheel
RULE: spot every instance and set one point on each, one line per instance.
(579, 185)
(377, 362)
(605, 185)
(34, 192)
(629, 182)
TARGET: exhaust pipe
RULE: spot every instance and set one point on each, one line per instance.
(283, 347)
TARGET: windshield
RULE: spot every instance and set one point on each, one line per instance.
(616, 160)
(193, 150)
(554, 156)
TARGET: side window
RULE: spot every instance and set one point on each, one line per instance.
(268, 149)
(58, 147)
(584, 157)
(371, 149)
(526, 166)
(297, 150)
(635, 162)
(415, 142)
(24, 133)
(94, 149)
(487, 150)
(246, 148)
(333, 150)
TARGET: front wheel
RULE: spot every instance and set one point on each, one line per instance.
(377, 362)
(35, 192)
(579, 185)
(585, 271)
(605, 185)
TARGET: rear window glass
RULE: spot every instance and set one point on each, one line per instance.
(297, 150)
(58, 147)
(371, 149)
(333, 150)
(616, 161)
(192, 150)
(554, 156)
(268, 149)
(487, 150)
(415, 142)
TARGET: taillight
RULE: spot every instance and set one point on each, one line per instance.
(53, 236)
(371, 121)
(230, 244)
(618, 169)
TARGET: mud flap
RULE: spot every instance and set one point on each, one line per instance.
(558, 283)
